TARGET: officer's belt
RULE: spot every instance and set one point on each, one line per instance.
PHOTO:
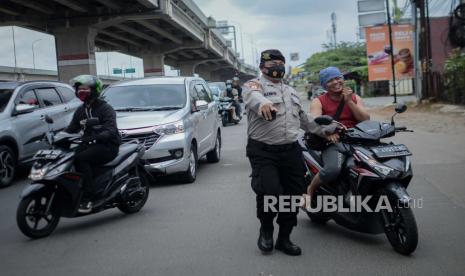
(272, 148)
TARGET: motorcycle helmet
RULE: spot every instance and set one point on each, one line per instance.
(95, 85)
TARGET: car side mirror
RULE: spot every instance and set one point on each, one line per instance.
(24, 108)
(401, 108)
(201, 105)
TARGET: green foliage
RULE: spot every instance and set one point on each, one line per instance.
(347, 56)
(454, 77)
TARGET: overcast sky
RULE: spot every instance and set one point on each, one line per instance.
(299, 26)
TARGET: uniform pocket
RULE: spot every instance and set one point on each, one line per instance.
(278, 103)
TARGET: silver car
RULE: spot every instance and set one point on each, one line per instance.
(23, 106)
(175, 118)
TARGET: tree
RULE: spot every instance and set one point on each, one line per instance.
(348, 57)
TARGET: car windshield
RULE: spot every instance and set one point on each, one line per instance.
(146, 97)
(5, 95)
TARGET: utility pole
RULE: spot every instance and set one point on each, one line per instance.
(333, 25)
(425, 48)
(391, 51)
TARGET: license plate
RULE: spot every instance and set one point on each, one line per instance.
(47, 154)
(390, 151)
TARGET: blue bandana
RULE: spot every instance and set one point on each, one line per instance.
(329, 73)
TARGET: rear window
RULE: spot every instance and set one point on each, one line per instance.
(146, 96)
(5, 96)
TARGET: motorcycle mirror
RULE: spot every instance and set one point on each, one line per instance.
(324, 120)
(48, 119)
(401, 108)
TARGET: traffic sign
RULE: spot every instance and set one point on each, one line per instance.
(130, 70)
(117, 71)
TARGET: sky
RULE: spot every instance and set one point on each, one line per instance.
(293, 26)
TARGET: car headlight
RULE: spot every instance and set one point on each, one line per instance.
(168, 129)
(378, 167)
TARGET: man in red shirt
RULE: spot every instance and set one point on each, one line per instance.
(352, 113)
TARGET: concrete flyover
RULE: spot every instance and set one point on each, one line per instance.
(171, 32)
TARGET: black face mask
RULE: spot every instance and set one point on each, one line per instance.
(276, 71)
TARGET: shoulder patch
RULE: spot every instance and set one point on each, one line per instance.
(253, 85)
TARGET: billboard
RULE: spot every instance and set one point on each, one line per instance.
(379, 60)
(370, 5)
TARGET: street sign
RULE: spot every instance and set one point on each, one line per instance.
(370, 5)
(372, 19)
(129, 70)
(117, 71)
(294, 56)
(222, 26)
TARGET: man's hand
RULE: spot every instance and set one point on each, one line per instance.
(347, 94)
(266, 109)
(333, 138)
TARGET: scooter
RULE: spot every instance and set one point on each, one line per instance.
(226, 109)
(56, 188)
(373, 170)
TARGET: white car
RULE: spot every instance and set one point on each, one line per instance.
(175, 118)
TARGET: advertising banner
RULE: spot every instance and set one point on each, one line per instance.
(379, 60)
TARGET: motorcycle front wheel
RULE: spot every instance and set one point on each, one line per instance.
(400, 228)
(33, 218)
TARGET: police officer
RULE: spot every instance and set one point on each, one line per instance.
(275, 116)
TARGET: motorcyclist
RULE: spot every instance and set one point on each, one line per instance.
(233, 93)
(353, 113)
(237, 86)
(100, 144)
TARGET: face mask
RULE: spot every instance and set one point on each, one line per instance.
(83, 95)
(276, 71)
(228, 86)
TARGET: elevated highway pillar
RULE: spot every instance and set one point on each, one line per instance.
(75, 48)
(154, 64)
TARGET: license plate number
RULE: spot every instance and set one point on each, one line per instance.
(391, 151)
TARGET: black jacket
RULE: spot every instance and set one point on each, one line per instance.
(100, 109)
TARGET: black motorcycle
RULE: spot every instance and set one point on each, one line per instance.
(225, 110)
(373, 169)
(56, 187)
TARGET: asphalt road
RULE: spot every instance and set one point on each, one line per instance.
(209, 227)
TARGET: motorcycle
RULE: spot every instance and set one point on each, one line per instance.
(373, 169)
(56, 188)
(225, 110)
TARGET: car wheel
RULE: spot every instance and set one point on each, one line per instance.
(191, 173)
(7, 166)
(214, 155)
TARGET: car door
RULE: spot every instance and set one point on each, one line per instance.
(200, 117)
(53, 106)
(212, 115)
(69, 98)
(30, 127)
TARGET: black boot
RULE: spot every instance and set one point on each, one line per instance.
(284, 244)
(265, 240)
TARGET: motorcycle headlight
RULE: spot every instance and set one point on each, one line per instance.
(37, 174)
(168, 129)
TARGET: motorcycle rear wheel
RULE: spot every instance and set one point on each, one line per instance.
(132, 206)
(31, 214)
